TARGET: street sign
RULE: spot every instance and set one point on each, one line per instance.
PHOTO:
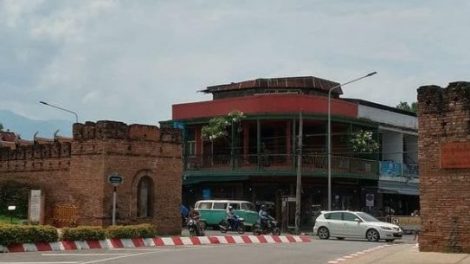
(115, 179)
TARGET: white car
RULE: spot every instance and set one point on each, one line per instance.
(341, 224)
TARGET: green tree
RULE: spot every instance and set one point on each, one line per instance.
(362, 141)
(407, 107)
(1, 127)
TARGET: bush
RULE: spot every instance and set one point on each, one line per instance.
(131, 231)
(18, 234)
(83, 233)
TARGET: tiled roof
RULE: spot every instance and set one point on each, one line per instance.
(303, 82)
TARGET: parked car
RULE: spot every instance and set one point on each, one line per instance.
(213, 212)
(342, 224)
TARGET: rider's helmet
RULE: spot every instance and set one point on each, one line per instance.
(263, 207)
(230, 208)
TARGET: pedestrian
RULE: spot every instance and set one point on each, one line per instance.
(184, 213)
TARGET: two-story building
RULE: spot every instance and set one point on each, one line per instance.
(257, 160)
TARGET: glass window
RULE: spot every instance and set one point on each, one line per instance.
(349, 217)
(220, 206)
(333, 216)
(235, 206)
(248, 207)
(367, 217)
(205, 205)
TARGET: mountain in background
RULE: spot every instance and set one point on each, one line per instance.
(27, 127)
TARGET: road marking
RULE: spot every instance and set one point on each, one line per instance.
(44, 262)
(84, 254)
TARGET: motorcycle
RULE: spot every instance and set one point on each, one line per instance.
(271, 227)
(237, 224)
(195, 227)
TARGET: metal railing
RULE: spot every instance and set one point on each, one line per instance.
(286, 162)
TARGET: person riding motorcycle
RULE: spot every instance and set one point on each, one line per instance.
(231, 217)
(194, 214)
(264, 217)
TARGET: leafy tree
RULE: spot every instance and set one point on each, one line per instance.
(218, 127)
(362, 141)
(407, 107)
(1, 127)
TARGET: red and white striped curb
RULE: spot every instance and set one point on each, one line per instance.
(357, 254)
(153, 242)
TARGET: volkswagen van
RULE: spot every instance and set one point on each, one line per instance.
(214, 211)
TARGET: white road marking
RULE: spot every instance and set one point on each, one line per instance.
(43, 262)
(84, 254)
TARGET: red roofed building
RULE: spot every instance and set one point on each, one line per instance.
(257, 161)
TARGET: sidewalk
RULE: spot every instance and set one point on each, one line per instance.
(408, 254)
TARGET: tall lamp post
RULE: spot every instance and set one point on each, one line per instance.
(329, 130)
(61, 108)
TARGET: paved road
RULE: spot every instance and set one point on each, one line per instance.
(318, 251)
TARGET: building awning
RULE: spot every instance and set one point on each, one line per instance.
(395, 187)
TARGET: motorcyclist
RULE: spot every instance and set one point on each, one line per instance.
(231, 217)
(194, 214)
(264, 217)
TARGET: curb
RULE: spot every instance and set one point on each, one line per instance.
(153, 242)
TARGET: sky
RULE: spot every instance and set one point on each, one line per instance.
(131, 60)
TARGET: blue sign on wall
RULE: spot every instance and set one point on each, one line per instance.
(390, 168)
(206, 194)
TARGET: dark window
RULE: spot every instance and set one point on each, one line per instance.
(235, 206)
(333, 216)
(248, 207)
(144, 197)
(206, 205)
(349, 217)
(220, 206)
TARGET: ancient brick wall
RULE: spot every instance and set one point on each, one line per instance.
(444, 161)
(76, 172)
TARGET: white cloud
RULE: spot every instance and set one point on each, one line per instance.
(131, 60)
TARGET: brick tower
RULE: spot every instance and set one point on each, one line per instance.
(444, 162)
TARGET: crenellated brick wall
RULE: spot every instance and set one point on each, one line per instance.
(76, 172)
(444, 160)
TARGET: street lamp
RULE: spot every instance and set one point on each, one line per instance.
(60, 108)
(329, 131)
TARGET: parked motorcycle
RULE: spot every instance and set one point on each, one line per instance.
(195, 227)
(237, 224)
(271, 227)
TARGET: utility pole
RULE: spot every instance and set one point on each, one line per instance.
(298, 190)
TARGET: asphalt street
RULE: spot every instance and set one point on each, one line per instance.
(318, 251)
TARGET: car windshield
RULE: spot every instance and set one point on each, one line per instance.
(367, 217)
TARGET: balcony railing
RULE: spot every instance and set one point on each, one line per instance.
(282, 162)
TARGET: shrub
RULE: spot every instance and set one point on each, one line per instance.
(18, 234)
(83, 233)
(132, 231)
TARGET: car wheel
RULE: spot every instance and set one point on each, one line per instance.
(340, 238)
(323, 233)
(372, 235)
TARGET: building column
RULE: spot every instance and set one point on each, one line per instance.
(288, 141)
(246, 142)
(198, 138)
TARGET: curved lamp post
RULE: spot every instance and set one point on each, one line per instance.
(61, 108)
(329, 130)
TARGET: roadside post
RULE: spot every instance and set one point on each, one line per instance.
(115, 180)
(12, 209)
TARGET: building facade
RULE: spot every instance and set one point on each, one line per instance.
(72, 173)
(257, 159)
